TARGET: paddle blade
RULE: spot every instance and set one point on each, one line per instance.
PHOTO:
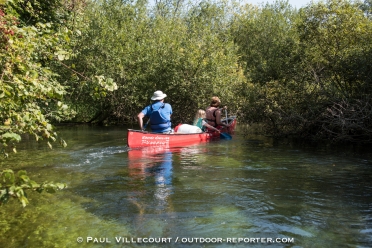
(225, 136)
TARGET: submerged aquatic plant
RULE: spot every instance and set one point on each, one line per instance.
(15, 185)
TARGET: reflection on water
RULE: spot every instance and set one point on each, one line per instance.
(248, 187)
(153, 165)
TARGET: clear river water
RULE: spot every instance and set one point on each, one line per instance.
(251, 191)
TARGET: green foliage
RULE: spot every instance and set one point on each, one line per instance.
(143, 53)
(30, 93)
(26, 85)
(303, 72)
(286, 68)
(30, 89)
(36, 11)
(15, 186)
(366, 6)
(268, 41)
(335, 38)
(315, 81)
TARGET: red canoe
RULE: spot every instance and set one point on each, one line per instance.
(138, 138)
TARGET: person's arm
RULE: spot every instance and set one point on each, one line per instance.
(218, 119)
(140, 119)
(211, 127)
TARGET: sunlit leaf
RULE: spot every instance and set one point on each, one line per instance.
(33, 184)
(24, 178)
(21, 173)
(11, 137)
(60, 185)
(23, 201)
(7, 177)
(63, 143)
(61, 57)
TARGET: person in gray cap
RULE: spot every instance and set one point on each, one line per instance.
(159, 114)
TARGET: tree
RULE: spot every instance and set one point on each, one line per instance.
(267, 40)
(335, 38)
(309, 70)
(31, 95)
(145, 51)
(268, 44)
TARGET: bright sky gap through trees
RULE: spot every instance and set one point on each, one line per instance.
(295, 3)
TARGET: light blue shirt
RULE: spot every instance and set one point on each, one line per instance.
(165, 113)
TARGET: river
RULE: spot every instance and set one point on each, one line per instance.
(248, 191)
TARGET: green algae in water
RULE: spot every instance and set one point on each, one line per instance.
(51, 222)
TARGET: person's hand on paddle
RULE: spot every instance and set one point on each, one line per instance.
(227, 124)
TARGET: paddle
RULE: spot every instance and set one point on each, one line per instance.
(144, 127)
(225, 135)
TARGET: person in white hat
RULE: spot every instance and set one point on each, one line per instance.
(159, 114)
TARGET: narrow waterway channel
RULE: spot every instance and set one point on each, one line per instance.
(223, 193)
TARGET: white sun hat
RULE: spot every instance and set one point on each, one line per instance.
(158, 95)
